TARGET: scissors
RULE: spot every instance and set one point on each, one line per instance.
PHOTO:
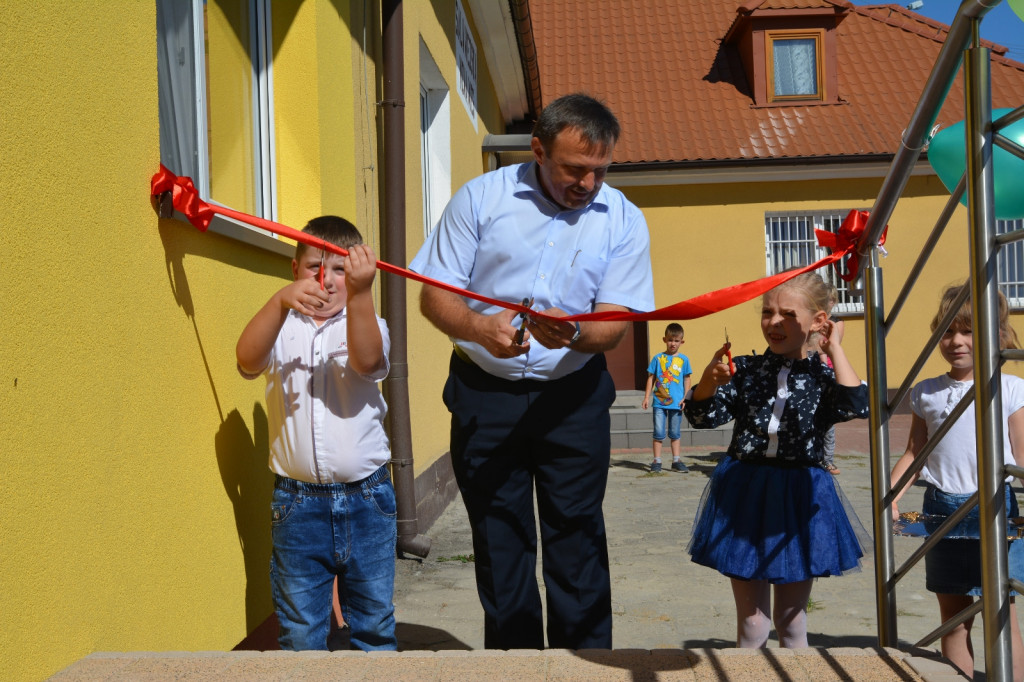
(323, 254)
(518, 338)
(728, 354)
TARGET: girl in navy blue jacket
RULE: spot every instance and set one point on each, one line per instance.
(771, 514)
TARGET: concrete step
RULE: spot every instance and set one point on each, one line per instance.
(632, 427)
(847, 663)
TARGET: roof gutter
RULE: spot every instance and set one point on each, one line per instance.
(396, 385)
(726, 171)
(801, 170)
(527, 53)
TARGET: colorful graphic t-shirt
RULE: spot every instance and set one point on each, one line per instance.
(669, 372)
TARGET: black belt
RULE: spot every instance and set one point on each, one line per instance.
(464, 356)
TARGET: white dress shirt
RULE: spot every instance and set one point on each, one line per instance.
(326, 421)
(501, 236)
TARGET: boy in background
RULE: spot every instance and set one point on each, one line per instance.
(323, 349)
(669, 377)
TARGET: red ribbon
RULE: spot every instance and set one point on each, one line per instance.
(186, 200)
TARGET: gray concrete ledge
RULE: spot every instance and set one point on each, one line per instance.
(627, 665)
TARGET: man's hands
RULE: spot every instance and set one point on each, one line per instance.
(496, 333)
(551, 333)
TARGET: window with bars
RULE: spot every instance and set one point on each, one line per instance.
(790, 242)
(1010, 263)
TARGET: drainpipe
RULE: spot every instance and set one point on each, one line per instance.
(396, 385)
(528, 54)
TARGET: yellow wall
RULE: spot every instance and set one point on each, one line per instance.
(134, 465)
(706, 237)
(429, 349)
(135, 459)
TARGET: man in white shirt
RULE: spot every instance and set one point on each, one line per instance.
(533, 411)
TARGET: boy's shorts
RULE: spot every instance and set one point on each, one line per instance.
(674, 421)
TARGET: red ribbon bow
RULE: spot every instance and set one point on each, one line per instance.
(184, 196)
(845, 241)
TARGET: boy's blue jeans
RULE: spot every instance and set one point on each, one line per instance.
(323, 530)
(675, 422)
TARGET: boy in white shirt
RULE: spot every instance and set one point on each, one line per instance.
(323, 349)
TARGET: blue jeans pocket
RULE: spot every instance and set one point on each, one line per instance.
(282, 505)
(383, 496)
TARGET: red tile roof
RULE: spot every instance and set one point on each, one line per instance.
(683, 97)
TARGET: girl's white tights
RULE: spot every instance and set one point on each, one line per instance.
(753, 604)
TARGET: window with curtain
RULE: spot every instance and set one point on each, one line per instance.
(790, 242)
(178, 74)
(794, 62)
(216, 99)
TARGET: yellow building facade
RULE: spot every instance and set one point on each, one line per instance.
(706, 237)
(135, 458)
(137, 489)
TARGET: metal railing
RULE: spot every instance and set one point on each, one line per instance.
(961, 46)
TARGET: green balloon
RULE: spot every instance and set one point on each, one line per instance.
(947, 156)
(1018, 7)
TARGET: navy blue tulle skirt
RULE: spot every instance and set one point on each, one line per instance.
(774, 523)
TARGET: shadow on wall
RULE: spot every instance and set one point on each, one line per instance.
(249, 485)
(241, 456)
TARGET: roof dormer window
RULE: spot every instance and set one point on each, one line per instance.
(793, 61)
(788, 50)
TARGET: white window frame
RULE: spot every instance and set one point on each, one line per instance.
(435, 140)
(261, 58)
(790, 242)
(1010, 264)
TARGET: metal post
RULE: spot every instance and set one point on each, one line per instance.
(878, 424)
(987, 374)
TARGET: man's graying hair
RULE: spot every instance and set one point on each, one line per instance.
(596, 123)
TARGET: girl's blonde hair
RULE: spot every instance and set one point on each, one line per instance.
(819, 294)
(965, 315)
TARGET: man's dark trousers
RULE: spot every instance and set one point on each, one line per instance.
(506, 438)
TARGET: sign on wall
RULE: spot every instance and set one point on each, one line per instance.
(465, 62)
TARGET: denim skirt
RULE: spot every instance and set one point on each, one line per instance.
(953, 566)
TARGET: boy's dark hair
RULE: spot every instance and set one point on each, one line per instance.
(330, 228)
(673, 328)
(596, 122)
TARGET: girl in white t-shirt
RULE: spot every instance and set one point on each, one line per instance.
(953, 566)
